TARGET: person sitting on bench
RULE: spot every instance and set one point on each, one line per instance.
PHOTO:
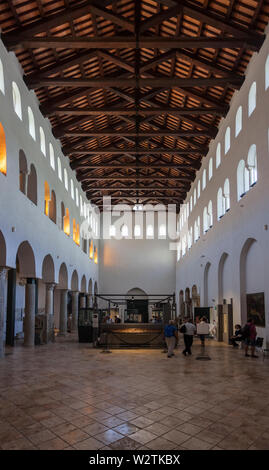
(237, 337)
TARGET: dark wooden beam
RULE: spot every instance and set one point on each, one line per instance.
(70, 150)
(134, 166)
(139, 188)
(123, 111)
(129, 42)
(64, 130)
(81, 177)
(165, 82)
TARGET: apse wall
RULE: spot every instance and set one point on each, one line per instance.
(236, 246)
(147, 264)
(20, 218)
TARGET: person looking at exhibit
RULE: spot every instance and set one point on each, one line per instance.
(249, 333)
(171, 336)
(188, 329)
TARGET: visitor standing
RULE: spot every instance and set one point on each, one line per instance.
(188, 329)
(249, 333)
(170, 333)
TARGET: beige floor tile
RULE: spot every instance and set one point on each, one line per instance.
(160, 444)
(196, 444)
(89, 444)
(142, 436)
(109, 436)
(73, 437)
(176, 436)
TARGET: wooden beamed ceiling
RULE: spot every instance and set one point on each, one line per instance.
(134, 89)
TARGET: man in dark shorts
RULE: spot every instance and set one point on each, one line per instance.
(250, 333)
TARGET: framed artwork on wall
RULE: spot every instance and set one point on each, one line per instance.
(255, 308)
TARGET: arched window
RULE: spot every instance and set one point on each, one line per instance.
(218, 155)
(72, 189)
(226, 195)
(198, 189)
(227, 140)
(210, 214)
(81, 205)
(65, 180)
(42, 141)
(2, 80)
(191, 204)
(267, 73)
(77, 198)
(190, 238)
(66, 222)
(220, 208)
(112, 231)
(238, 121)
(205, 220)
(76, 234)
(184, 245)
(162, 231)
(16, 96)
(23, 168)
(252, 165)
(31, 122)
(194, 197)
(241, 179)
(137, 231)
(91, 250)
(46, 198)
(178, 251)
(3, 151)
(59, 163)
(32, 185)
(95, 255)
(124, 231)
(204, 179)
(52, 158)
(210, 169)
(150, 231)
(52, 207)
(252, 98)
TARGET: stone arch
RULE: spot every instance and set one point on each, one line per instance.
(95, 288)
(83, 284)
(74, 281)
(242, 266)
(90, 287)
(3, 250)
(222, 260)
(26, 260)
(63, 277)
(32, 185)
(137, 291)
(206, 271)
(48, 269)
(23, 170)
(52, 207)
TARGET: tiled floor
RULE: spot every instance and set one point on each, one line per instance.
(68, 396)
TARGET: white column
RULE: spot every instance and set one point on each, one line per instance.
(49, 308)
(83, 301)
(63, 312)
(29, 319)
(89, 301)
(3, 276)
(74, 326)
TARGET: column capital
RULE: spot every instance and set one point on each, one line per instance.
(50, 285)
